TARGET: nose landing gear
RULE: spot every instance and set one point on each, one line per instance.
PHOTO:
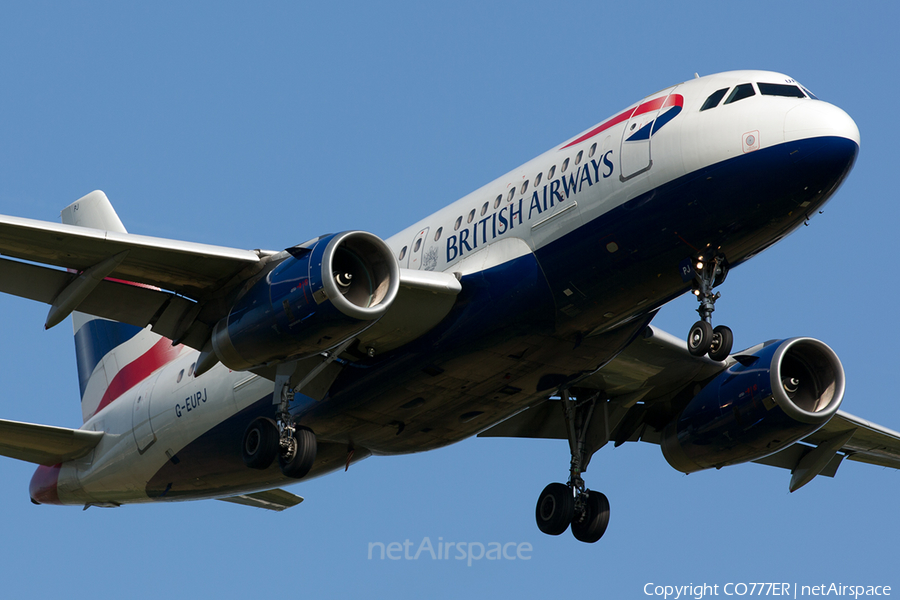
(561, 505)
(703, 338)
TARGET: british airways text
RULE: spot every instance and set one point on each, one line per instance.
(543, 199)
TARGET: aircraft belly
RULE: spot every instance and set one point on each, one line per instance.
(496, 353)
(211, 466)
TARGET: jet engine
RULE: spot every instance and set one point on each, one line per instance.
(766, 401)
(321, 295)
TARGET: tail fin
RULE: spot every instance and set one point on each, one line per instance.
(112, 357)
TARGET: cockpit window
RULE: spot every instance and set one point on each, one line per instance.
(809, 93)
(780, 89)
(714, 99)
(745, 90)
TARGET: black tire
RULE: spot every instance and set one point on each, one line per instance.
(722, 342)
(555, 508)
(260, 444)
(297, 463)
(592, 525)
(700, 338)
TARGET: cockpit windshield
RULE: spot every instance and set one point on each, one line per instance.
(809, 93)
(780, 89)
(746, 90)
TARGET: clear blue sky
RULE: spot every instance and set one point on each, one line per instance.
(265, 125)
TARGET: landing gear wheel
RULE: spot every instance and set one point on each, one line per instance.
(260, 444)
(722, 341)
(298, 459)
(555, 509)
(700, 338)
(594, 519)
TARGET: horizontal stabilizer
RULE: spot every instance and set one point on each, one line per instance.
(276, 499)
(44, 444)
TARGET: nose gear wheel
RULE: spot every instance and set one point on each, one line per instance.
(703, 339)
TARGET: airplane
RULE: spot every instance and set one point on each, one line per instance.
(523, 309)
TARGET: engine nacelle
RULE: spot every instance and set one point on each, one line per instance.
(768, 400)
(315, 299)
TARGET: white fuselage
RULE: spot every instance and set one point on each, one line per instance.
(524, 212)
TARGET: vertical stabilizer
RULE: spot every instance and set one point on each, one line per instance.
(112, 357)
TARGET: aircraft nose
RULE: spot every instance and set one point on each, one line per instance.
(43, 487)
(815, 118)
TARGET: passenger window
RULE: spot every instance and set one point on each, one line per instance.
(780, 89)
(437, 234)
(497, 200)
(537, 180)
(471, 216)
(458, 223)
(524, 186)
(714, 99)
(564, 166)
(180, 375)
(578, 157)
(191, 370)
(592, 150)
(509, 196)
(484, 209)
(418, 245)
(402, 253)
(745, 90)
(551, 172)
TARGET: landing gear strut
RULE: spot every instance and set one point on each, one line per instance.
(703, 338)
(297, 445)
(293, 445)
(561, 505)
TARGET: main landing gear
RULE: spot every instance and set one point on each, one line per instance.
(293, 445)
(561, 505)
(703, 338)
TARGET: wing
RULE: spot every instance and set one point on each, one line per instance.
(656, 369)
(184, 267)
(43, 444)
(182, 285)
(180, 289)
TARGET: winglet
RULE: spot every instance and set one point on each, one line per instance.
(95, 211)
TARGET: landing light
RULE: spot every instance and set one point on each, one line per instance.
(699, 266)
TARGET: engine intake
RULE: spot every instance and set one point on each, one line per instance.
(315, 299)
(763, 403)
